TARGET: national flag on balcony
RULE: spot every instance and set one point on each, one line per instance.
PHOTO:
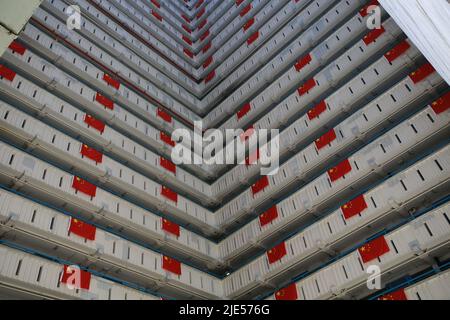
(422, 73)
(288, 293)
(246, 10)
(326, 139)
(239, 2)
(260, 185)
(94, 123)
(185, 17)
(166, 139)
(17, 47)
(248, 24)
(206, 47)
(268, 216)
(374, 249)
(340, 170)
(275, 254)
(7, 73)
(188, 53)
(398, 295)
(373, 35)
(253, 158)
(169, 194)
(306, 87)
(168, 165)
(354, 207)
(84, 186)
(170, 227)
(156, 3)
(207, 62)
(301, 63)
(82, 229)
(202, 24)
(187, 40)
(397, 51)
(107, 103)
(164, 115)
(171, 265)
(91, 153)
(442, 104)
(210, 76)
(317, 110)
(364, 12)
(186, 28)
(199, 4)
(253, 38)
(244, 110)
(76, 278)
(111, 82)
(157, 15)
(205, 35)
(200, 14)
(247, 134)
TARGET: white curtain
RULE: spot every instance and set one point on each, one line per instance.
(427, 24)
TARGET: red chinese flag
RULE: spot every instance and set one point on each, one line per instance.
(253, 158)
(373, 35)
(248, 24)
(317, 110)
(187, 40)
(303, 62)
(185, 17)
(107, 103)
(206, 47)
(71, 276)
(374, 249)
(422, 73)
(397, 51)
(94, 123)
(364, 12)
(354, 207)
(340, 170)
(260, 185)
(171, 265)
(253, 38)
(163, 115)
(188, 53)
(202, 24)
(17, 47)
(171, 227)
(84, 187)
(157, 15)
(306, 87)
(186, 28)
(156, 3)
(166, 139)
(326, 139)
(169, 194)
(210, 76)
(91, 153)
(246, 10)
(168, 165)
(208, 62)
(442, 104)
(275, 254)
(268, 216)
(200, 14)
(398, 295)
(199, 4)
(7, 73)
(110, 81)
(82, 229)
(247, 134)
(288, 293)
(238, 2)
(244, 110)
(205, 35)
